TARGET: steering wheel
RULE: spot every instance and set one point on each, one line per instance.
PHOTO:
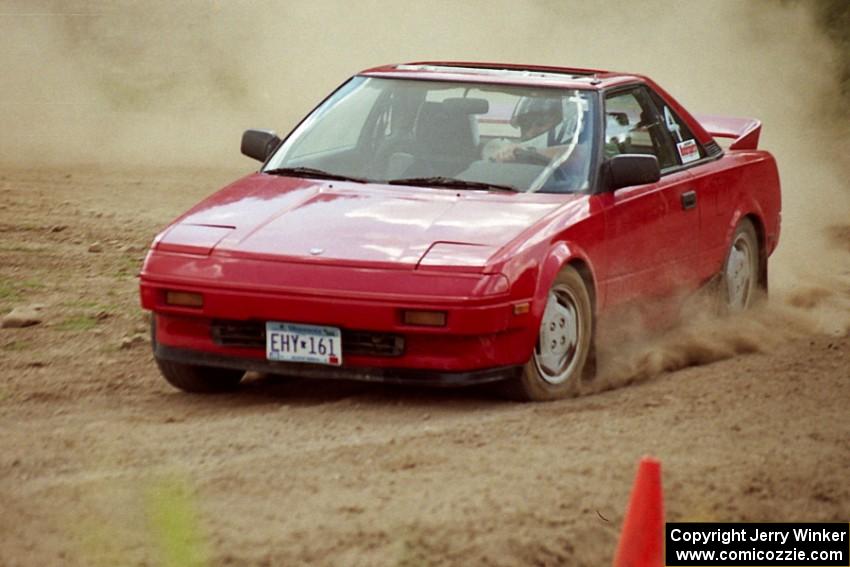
(525, 155)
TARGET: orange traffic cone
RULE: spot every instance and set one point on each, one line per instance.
(642, 538)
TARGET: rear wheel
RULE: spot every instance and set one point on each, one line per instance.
(563, 344)
(739, 280)
(199, 379)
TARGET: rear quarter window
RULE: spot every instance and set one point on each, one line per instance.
(688, 149)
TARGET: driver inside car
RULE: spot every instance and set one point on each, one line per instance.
(541, 125)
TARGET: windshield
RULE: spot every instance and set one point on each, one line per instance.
(413, 131)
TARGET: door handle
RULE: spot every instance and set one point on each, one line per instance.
(689, 200)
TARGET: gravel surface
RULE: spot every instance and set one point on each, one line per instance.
(102, 463)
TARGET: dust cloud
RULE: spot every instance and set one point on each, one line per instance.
(702, 337)
(159, 83)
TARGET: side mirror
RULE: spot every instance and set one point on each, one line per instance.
(626, 170)
(259, 144)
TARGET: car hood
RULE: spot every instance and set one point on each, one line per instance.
(281, 218)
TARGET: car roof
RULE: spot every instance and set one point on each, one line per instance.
(504, 73)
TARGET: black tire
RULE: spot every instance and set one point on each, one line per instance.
(737, 293)
(199, 379)
(539, 381)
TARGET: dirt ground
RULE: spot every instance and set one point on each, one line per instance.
(102, 463)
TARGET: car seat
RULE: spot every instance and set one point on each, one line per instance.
(446, 139)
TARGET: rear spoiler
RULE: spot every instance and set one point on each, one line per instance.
(745, 131)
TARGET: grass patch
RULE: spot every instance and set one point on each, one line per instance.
(129, 266)
(174, 524)
(413, 553)
(16, 346)
(84, 304)
(4, 227)
(7, 290)
(77, 323)
(8, 295)
(91, 308)
(32, 285)
(171, 529)
(11, 289)
(22, 248)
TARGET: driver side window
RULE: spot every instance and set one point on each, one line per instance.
(632, 126)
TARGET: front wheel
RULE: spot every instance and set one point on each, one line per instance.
(563, 343)
(199, 379)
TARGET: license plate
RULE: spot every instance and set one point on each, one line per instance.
(293, 342)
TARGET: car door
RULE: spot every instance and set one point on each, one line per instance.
(652, 230)
(713, 190)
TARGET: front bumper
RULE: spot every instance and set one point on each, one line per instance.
(483, 339)
(364, 374)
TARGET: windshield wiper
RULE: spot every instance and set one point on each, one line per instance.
(451, 183)
(313, 172)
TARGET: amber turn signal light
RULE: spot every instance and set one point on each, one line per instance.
(425, 318)
(184, 299)
(522, 308)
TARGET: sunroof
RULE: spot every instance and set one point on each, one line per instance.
(497, 71)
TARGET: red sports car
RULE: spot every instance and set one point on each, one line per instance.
(454, 223)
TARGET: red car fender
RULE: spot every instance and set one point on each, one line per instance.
(560, 255)
(749, 207)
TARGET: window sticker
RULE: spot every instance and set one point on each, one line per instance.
(688, 151)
